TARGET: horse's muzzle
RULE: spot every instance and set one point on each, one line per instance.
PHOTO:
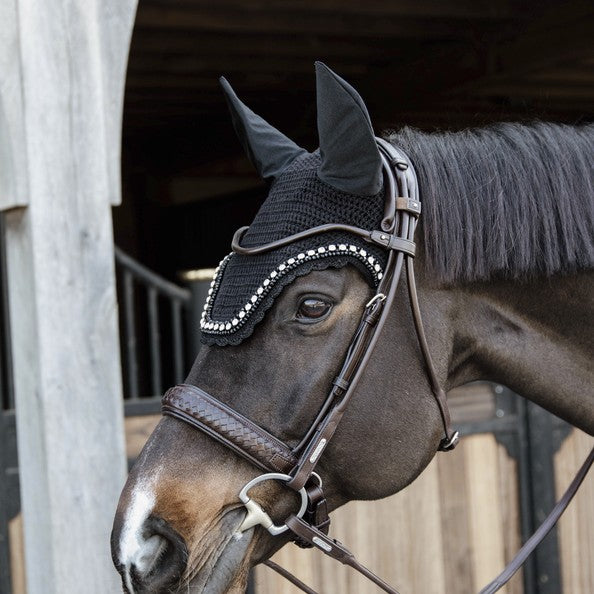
(152, 560)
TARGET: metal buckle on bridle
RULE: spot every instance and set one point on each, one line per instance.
(257, 516)
(450, 443)
(379, 297)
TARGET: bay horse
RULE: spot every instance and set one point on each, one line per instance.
(505, 252)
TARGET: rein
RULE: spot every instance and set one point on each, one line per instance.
(295, 467)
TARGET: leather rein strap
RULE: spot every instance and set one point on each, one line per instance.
(296, 465)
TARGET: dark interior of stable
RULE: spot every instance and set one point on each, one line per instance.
(433, 65)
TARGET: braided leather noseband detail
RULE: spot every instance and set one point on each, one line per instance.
(202, 411)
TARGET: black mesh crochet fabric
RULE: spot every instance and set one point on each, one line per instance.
(245, 287)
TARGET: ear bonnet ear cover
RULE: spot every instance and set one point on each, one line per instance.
(268, 149)
(245, 287)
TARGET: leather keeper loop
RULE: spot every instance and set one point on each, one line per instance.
(341, 383)
(392, 242)
(408, 205)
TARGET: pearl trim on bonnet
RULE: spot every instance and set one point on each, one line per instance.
(210, 326)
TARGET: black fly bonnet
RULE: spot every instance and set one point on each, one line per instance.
(307, 190)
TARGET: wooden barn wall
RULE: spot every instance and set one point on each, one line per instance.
(452, 530)
(17, 555)
(575, 527)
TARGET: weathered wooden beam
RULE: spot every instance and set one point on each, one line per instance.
(511, 87)
(70, 61)
(13, 160)
(562, 34)
(148, 80)
(427, 9)
(559, 38)
(215, 43)
(215, 18)
(567, 73)
(164, 64)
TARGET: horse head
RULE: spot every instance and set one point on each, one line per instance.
(273, 348)
(285, 320)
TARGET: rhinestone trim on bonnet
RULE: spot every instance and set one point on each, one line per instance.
(222, 327)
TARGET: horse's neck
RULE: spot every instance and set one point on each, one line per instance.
(537, 338)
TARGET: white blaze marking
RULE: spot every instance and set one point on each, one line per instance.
(134, 548)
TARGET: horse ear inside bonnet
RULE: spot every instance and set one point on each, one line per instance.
(341, 182)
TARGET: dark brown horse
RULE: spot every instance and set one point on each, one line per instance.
(505, 286)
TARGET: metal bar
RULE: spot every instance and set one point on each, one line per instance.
(143, 406)
(149, 278)
(9, 488)
(199, 283)
(178, 349)
(510, 406)
(5, 578)
(525, 494)
(155, 339)
(542, 478)
(6, 377)
(130, 334)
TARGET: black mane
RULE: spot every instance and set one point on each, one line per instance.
(510, 200)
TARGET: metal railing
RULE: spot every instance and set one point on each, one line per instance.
(152, 312)
(6, 383)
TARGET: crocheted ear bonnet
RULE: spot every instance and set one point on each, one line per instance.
(339, 183)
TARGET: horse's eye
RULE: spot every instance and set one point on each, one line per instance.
(313, 309)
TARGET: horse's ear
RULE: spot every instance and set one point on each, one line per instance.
(268, 149)
(350, 158)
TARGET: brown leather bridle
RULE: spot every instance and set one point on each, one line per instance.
(296, 466)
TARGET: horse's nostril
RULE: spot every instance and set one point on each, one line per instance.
(160, 560)
(153, 548)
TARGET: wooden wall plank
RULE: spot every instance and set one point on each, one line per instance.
(447, 532)
(509, 504)
(62, 294)
(576, 526)
(429, 9)
(455, 529)
(17, 555)
(265, 22)
(485, 521)
(13, 168)
(138, 430)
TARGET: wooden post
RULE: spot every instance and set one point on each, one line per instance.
(61, 93)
